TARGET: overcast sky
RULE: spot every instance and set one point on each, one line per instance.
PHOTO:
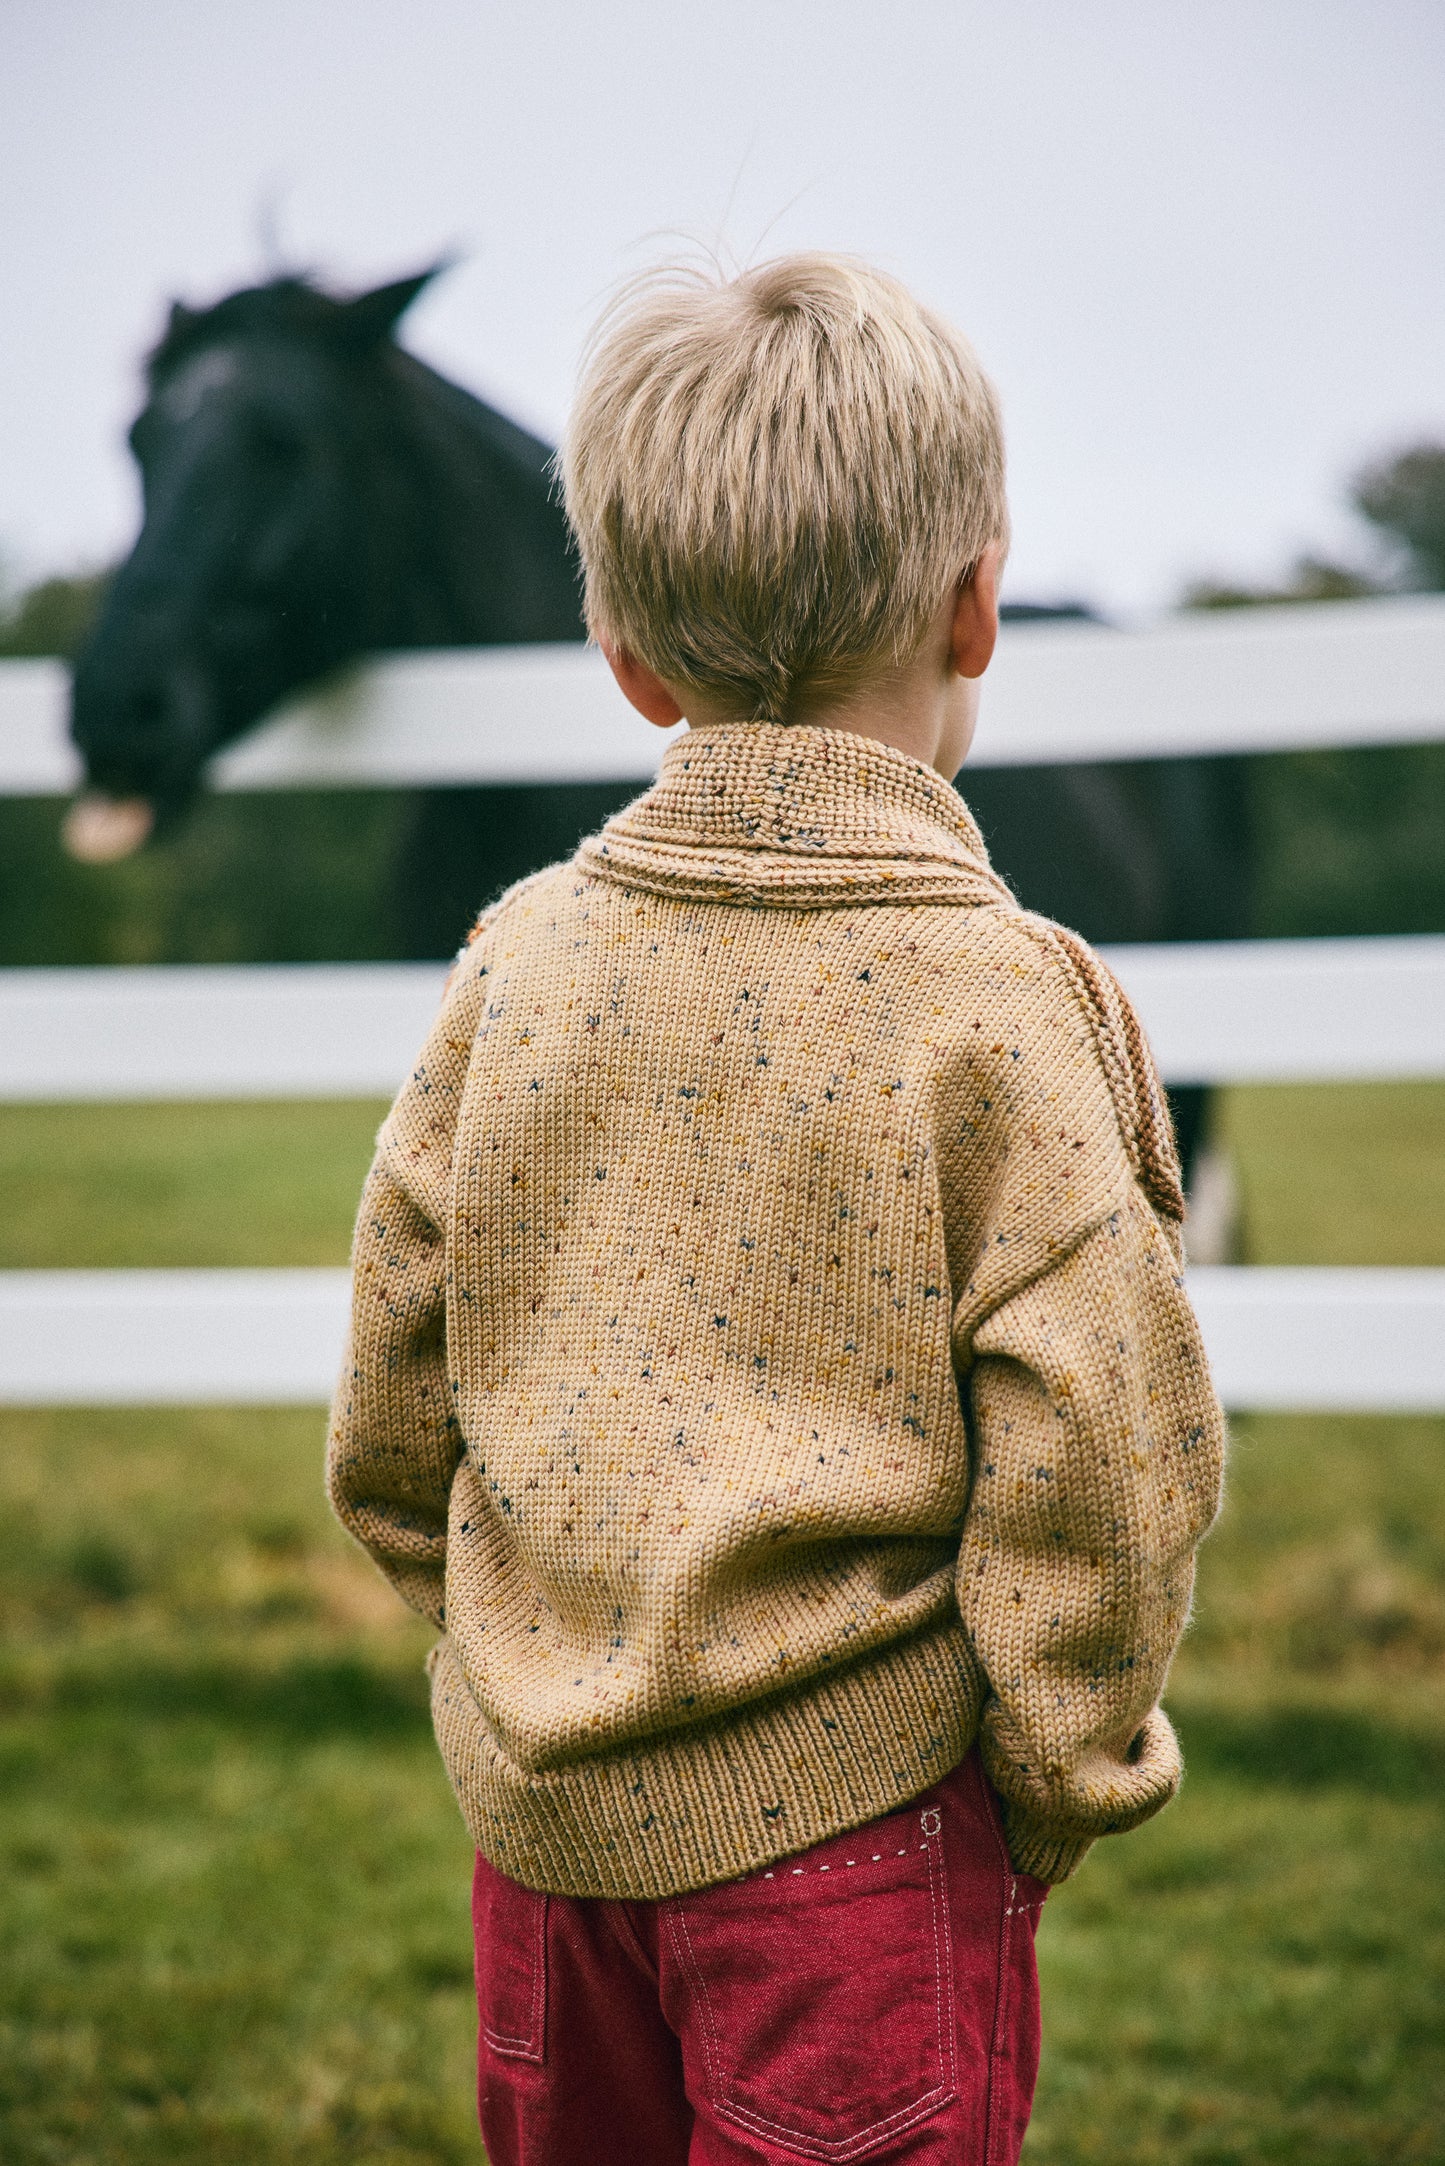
(1198, 242)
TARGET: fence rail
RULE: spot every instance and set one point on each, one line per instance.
(1264, 680)
(1294, 1339)
(1268, 680)
(1215, 1011)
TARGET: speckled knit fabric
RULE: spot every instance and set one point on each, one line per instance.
(769, 1365)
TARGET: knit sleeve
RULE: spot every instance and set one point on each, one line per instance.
(395, 1440)
(1098, 1452)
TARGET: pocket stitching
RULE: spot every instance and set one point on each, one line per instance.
(682, 1940)
(844, 2148)
(943, 1956)
(530, 2048)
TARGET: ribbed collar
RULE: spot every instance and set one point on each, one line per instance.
(797, 817)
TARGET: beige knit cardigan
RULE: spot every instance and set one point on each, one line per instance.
(769, 1365)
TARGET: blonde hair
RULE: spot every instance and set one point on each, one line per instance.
(776, 479)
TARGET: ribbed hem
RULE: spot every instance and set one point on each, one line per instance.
(719, 1801)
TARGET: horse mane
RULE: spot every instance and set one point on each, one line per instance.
(293, 304)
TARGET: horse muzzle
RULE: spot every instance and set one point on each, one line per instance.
(100, 830)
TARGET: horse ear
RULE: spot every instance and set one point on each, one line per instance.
(179, 317)
(369, 318)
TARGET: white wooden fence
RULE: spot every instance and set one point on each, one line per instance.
(1265, 680)
(1277, 1338)
(1229, 1011)
(1350, 673)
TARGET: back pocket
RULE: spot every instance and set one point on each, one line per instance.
(509, 1923)
(820, 1992)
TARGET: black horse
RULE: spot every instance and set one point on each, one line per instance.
(314, 493)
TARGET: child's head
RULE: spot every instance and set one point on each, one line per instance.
(777, 480)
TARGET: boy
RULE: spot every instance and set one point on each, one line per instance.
(769, 1365)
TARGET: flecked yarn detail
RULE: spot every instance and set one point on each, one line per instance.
(769, 1362)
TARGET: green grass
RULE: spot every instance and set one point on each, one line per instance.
(233, 1883)
(1259, 1973)
(1340, 1173)
(1255, 1976)
(102, 1185)
(1330, 1174)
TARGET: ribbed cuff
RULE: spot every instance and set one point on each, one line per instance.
(1110, 1796)
(1040, 1850)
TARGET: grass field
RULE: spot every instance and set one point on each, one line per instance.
(232, 1881)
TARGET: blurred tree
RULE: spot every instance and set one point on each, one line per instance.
(1405, 498)
(52, 617)
(1353, 841)
(1314, 579)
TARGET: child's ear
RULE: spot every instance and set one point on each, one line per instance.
(644, 691)
(975, 616)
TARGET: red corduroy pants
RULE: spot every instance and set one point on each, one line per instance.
(873, 1998)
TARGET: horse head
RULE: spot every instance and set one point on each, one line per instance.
(257, 563)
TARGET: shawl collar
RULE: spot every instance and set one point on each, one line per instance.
(796, 817)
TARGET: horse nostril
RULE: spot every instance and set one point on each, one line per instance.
(100, 830)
